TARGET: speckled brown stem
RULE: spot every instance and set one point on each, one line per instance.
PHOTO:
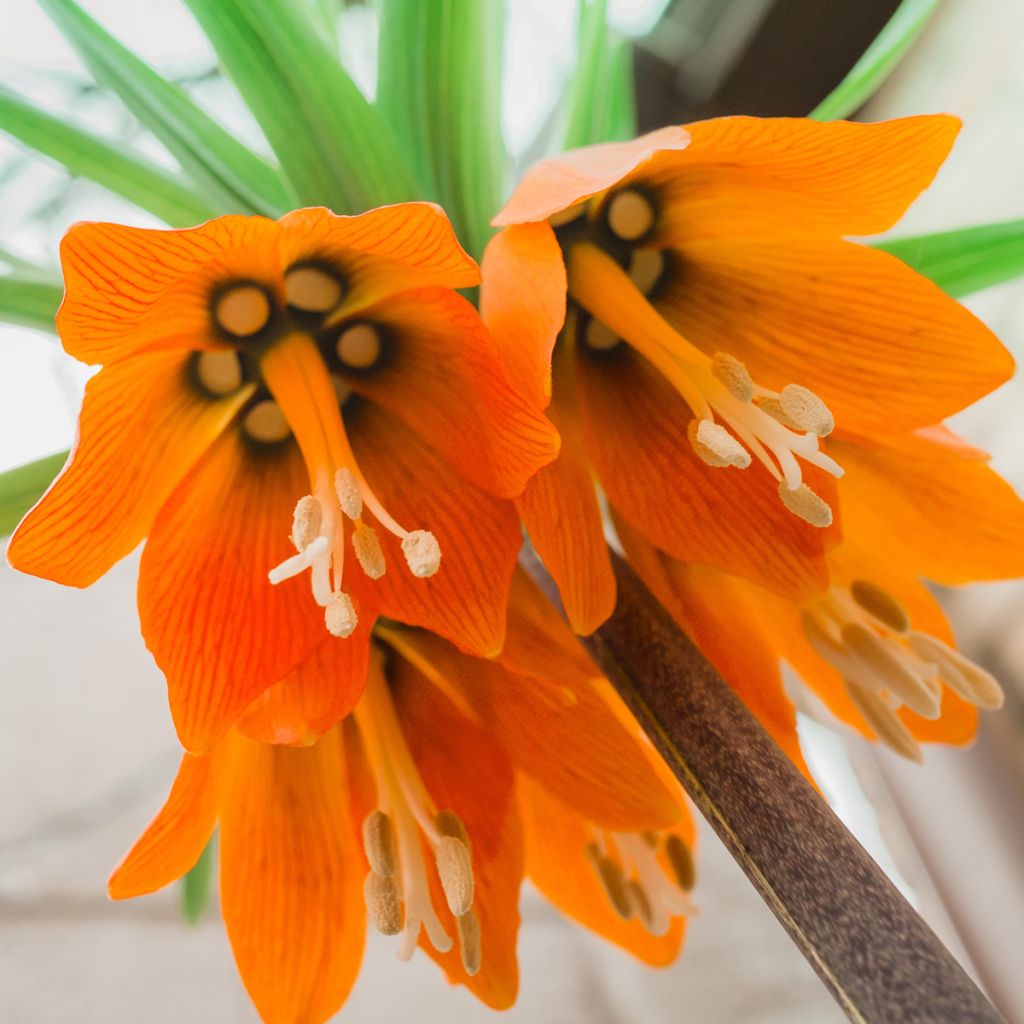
(878, 958)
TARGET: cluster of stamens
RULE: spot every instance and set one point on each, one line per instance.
(646, 876)
(397, 888)
(866, 635)
(735, 420)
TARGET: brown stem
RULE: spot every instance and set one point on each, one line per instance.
(877, 957)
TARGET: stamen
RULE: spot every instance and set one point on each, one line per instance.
(881, 605)
(220, 373)
(613, 882)
(379, 843)
(885, 723)
(772, 405)
(448, 823)
(422, 553)
(469, 942)
(312, 290)
(804, 408)
(892, 672)
(242, 311)
(680, 857)
(340, 616)
(599, 337)
(455, 869)
(265, 422)
(716, 446)
(307, 520)
(359, 346)
(630, 215)
(566, 216)
(368, 551)
(347, 489)
(641, 904)
(965, 678)
(803, 502)
(733, 376)
(646, 268)
(383, 903)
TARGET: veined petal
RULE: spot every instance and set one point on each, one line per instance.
(479, 536)
(522, 301)
(635, 429)
(443, 743)
(795, 176)
(175, 838)
(887, 350)
(142, 427)
(132, 289)
(554, 185)
(442, 375)
(556, 838)
(291, 878)
(217, 628)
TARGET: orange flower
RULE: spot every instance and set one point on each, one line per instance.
(717, 319)
(417, 810)
(248, 364)
(875, 647)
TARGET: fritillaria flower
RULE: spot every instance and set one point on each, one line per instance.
(306, 399)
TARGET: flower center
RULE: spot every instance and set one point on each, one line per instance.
(646, 876)
(735, 419)
(865, 634)
(397, 889)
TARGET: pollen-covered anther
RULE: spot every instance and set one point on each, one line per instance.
(383, 903)
(455, 869)
(613, 881)
(359, 346)
(881, 605)
(715, 446)
(804, 408)
(312, 290)
(422, 553)
(599, 336)
(803, 502)
(733, 375)
(646, 269)
(884, 722)
(470, 946)
(568, 215)
(349, 497)
(369, 554)
(219, 373)
(630, 215)
(265, 422)
(340, 615)
(307, 521)
(242, 310)
(680, 858)
(963, 676)
(892, 670)
(379, 843)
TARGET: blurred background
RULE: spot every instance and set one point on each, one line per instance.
(86, 745)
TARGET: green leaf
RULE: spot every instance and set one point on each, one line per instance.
(966, 260)
(197, 884)
(108, 164)
(229, 175)
(620, 101)
(332, 144)
(878, 61)
(29, 300)
(21, 488)
(440, 85)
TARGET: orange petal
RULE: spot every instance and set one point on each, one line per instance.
(443, 743)
(561, 732)
(383, 252)
(291, 878)
(553, 185)
(727, 620)
(175, 838)
(886, 349)
(479, 536)
(132, 289)
(142, 427)
(745, 176)
(444, 378)
(522, 301)
(556, 839)
(901, 493)
(217, 628)
(634, 426)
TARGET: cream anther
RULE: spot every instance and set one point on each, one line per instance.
(885, 723)
(448, 823)
(967, 680)
(566, 216)
(359, 346)
(599, 337)
(266, 423)
(220, 373)
(804, 408)
(312, 290)
(469, 942)
(422, 553)
(892, 672)
(630, 215)
(803, 502)
(307, 521)
(379, 843)
(715, 446)
(383, 903)
(646, 267)
(733, 375)
(366, 545)
(771, 405)
(455, 869)
(347, 489)
(340, 616)
(881, 605)
(242, 311)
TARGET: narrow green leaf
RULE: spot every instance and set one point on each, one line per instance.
(108, 164)
(28, 300)
(21, 488)
(231, 176)
(440, 84)
(197, 885)
(966, 260)
(332, 144)
(878, 61)
(620, 101)
(584, 102)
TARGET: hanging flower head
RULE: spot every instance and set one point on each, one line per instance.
(306, 398)
(718, 327)
(421, 812)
